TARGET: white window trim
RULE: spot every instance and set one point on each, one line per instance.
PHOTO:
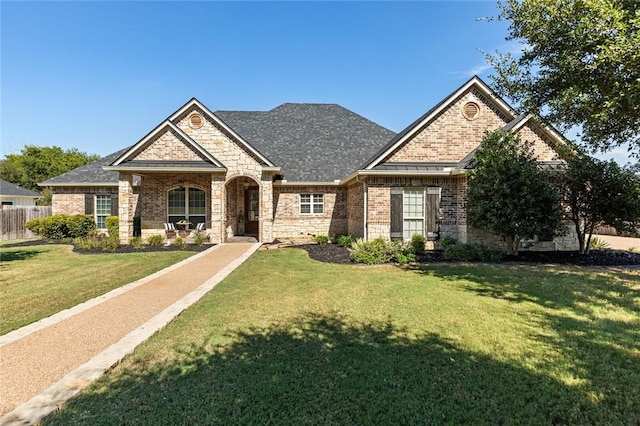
(187, 214)
(95, 210)
(312, 203)
(413, 218)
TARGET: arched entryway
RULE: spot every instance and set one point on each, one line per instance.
(242, 215)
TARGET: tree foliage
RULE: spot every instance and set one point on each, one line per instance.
(596, 193)
(508, 194)
(36, 164)
(580, 66)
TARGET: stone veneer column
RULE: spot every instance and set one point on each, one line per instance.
(126, 207)
(217, 208)
(266, 208)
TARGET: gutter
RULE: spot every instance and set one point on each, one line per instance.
(447, 171)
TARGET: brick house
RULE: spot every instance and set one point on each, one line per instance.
(302, 169)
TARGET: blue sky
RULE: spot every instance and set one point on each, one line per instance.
(98, 76)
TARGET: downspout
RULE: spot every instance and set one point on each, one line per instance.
(364, 225)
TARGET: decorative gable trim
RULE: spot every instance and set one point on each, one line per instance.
(246, 145)
(417, 125)
(167, 125)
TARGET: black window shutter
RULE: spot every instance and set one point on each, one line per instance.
(88, 203)
(114, 205)
(396, 213)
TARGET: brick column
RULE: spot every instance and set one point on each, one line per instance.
(126, 207)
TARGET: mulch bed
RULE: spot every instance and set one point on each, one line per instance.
(124, 248)
(332, 253)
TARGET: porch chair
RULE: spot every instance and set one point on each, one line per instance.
(169, 230)
(200, 226)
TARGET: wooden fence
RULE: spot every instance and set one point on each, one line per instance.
(13, 220)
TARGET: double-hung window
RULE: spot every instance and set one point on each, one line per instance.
(311, 203)
(413, 212)
(103, 210)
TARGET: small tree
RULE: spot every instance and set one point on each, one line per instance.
(596, 193)
(508, 194)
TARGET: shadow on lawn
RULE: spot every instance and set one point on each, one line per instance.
(326, 370)
(12, 255)
(594, 320)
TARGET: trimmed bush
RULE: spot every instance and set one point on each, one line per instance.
(372, 252)
(155, 240)
(113, 226)
(99, 242)
(321, 239)
(136, 243)
(179, 242)
(344, 240)
(470, 252)
(447, 241)
(80, 225)
(417, 244)
(61, 226)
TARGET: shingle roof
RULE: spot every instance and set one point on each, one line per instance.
(13, 190)
(310, 142)
(89, 174)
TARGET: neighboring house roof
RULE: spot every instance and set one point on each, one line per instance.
(91, 174)
(310, 142)
(8, 189)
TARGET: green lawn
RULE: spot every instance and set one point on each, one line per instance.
(38, 281)
(288, 340)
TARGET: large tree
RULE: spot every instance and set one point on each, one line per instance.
(36, 164)
(580, 66)
(596, 193)
(508, 194)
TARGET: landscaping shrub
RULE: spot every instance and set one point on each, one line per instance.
(155, 240)
(371, 252)
(344, 240)
(469, 252)
(80, 225)
(97, 242)
(598, 244)
(136, 243)
(321, 239)
(61, 226)
(447, 241)
(417, 244)
(113, 226)
(200, 238)
(179, 242)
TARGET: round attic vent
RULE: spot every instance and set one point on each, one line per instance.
(471, 110)
(195, 121)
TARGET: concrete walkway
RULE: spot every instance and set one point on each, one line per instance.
(44, 364)
(620, 243)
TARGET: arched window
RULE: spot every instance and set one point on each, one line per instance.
(186, 203)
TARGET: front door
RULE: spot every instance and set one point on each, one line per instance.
(252, 207)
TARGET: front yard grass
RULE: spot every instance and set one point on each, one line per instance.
(288, 340)
(38, 281)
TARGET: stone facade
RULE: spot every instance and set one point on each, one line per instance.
(288, 222)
